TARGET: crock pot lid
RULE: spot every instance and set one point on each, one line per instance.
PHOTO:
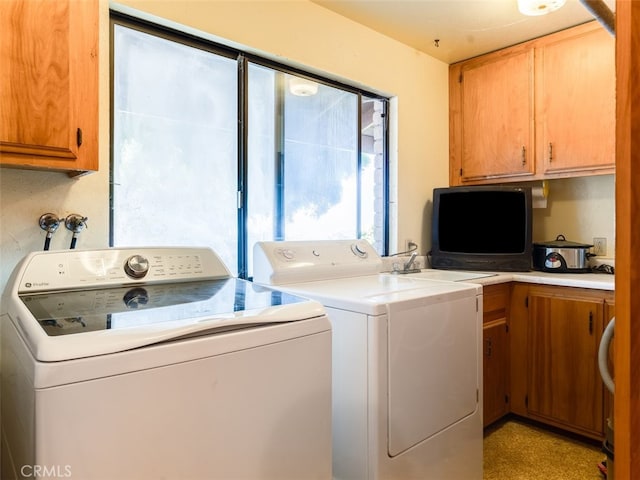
(561, 242)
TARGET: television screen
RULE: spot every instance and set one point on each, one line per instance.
(487, 228)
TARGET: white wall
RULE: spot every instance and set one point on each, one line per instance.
(579, 209)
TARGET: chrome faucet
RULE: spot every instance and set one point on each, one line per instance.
(407, 266)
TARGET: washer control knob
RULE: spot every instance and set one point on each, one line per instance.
(136, 266)
(359, 251)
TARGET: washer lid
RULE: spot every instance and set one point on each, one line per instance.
(83, 323)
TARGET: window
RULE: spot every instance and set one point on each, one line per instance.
(213, 148)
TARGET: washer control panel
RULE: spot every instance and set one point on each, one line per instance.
(136, 266)
(67, 269)
(278, 263)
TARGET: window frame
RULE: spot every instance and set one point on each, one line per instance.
(243, 58)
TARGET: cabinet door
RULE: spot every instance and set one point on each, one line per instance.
(497, 117)
(564, 381)
(495, 337)
(495, 371)
(48, 84)
(576, 110)
(519, 365)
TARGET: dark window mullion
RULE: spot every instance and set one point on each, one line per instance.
(385, 175)
(243, 114)
(359, 171)
(279, 213)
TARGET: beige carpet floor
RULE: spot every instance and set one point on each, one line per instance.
(515, 450)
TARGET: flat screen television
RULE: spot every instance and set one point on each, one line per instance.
(482, 228)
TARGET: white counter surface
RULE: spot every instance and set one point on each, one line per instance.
(599, 281)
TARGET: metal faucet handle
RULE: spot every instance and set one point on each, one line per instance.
(75, 222)
(407, 266)
(49, 222)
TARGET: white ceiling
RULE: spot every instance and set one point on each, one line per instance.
(464, 28)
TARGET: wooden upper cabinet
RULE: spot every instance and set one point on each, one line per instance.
(541, 109)
(49, 85)
(497, 112)
(576, 102)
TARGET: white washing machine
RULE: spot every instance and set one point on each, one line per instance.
(154, 363)
(407, 368)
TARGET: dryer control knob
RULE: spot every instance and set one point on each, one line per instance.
(359, 250)
(136, 266)
(287, 253)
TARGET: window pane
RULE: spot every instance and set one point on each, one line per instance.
(262, 156)
(320, 162)
(305, 178)
(174, 145)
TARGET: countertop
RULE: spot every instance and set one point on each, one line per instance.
(599, 281)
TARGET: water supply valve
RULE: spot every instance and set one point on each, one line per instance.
(49, 222)
(75, 223)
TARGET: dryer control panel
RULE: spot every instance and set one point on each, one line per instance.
(280, 263)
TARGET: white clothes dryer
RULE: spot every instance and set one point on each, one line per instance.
(407, 368)
(152, 363)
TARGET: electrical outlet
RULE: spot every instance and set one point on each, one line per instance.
(410, 245)
(599, 246)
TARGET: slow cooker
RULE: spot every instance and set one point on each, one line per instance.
(561, 256)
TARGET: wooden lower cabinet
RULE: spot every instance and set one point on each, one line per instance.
(495, 352)
(564, 382)
(555, 334)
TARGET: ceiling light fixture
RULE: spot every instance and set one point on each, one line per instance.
(302, 87)
(539, 7)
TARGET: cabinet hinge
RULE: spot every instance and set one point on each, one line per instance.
(477, 307)
(460, 172)
(506, 327)
(526, 401)
(79, 136)
(526, 302)
(477, 395)
(460, 78)
(506, 399)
